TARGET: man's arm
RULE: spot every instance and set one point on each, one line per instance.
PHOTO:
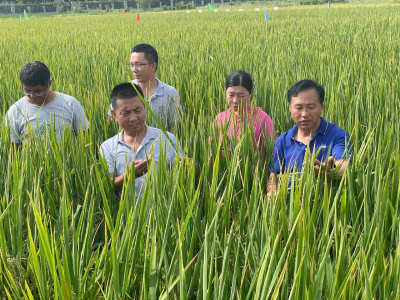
(339, 150)
(140, 169)
(330, 166)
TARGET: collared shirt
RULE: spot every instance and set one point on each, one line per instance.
(165, 104)
(261, 124)
(329, 140)
(119, 155)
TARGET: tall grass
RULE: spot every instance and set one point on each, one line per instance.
(65, 235)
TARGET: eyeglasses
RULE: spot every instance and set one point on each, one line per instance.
(138, 65)
(40, 94)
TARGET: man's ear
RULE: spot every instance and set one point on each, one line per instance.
(114, 113)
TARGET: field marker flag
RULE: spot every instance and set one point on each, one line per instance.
(20, 18)
(209, 7)
(137, 18)
(25, 15)
(266, 14)
(123, 12)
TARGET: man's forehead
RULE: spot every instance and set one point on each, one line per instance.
(137, 55)
(306, 97)
(130, 103)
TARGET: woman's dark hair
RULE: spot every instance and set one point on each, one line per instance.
(124, 91)
(34, 74)
(306, 84)
(239, 78)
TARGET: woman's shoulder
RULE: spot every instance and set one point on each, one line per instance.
(265, 118)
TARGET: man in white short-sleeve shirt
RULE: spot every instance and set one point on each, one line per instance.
(163, 99)
(42, 109)
(137, 143)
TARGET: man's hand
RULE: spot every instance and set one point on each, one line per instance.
(140, 167)
(327, 168)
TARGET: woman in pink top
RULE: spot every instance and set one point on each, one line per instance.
(239, 89)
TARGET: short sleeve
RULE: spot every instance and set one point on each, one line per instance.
(278, 158)
(175, 145)
(341, 147)
(108, 156)
(11, 123)
(174, 108)
(80, 121)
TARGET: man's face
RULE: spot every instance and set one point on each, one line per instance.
(130, 115)
(37, 93)
(306, 109)
(238, 98)
(142, 69)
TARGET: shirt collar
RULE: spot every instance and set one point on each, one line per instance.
(150, 134)
(160, 88)
(322, 128)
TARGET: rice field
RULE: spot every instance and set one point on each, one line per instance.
(65, 235)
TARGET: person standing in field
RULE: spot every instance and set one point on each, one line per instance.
(332, 143)
(41, 108)
(163, 99)
(241, 115)
(137, 143)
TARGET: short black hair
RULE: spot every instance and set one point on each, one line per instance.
(303, 85)
(239, 78)
(124, 91)
(34, 74)
(150, 53)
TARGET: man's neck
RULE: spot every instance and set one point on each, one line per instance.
(134, 139)
(305, 136)
(149, 87)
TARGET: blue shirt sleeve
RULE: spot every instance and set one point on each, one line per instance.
(341, 147)
(277, 158)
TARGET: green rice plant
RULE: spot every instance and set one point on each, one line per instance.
(65, 234)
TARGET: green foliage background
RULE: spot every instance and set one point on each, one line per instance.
(63, 233)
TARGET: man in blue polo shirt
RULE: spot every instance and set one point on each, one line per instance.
(306, 101)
